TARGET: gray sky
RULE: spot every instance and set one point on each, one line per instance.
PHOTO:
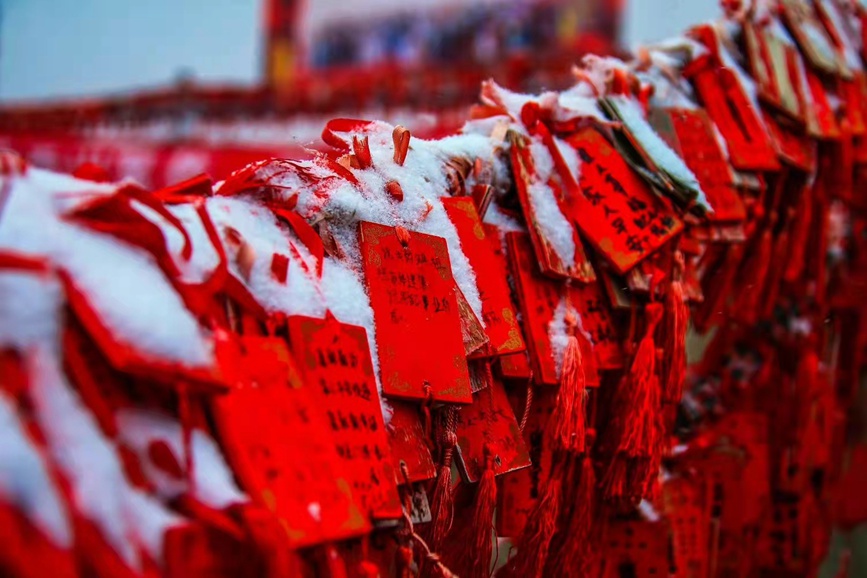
(61, 48)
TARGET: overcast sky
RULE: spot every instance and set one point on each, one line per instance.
(60, 48)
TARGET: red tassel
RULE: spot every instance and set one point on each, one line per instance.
(637, 405)
(470, 551)
(576, 556)
(674, 325)
(564, 442)
(442, 504)
(535, 540)
(568, 415)
(753, 279)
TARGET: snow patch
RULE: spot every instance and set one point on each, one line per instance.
(25, 481)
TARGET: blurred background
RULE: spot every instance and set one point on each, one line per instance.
(62, 48)
(160, 90)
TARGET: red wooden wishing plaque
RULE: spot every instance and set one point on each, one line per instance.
(691, 134)
(616, 210)
(335, 360)
(811, 36)
(686, 503)
(498, 311)
(473, 334)
(775, 77)
(793, 148)
(515, 366)
(733, 113)
(418, 326)
(549, 262)
(503, 311)
(409, 445)
(637, 549)
(539, 297)
(590, 302)
(489, 421)
(821, 118)
(279, 447)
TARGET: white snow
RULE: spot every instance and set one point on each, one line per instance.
(848, 36)
(423, 180)
(214, 484)
(100, 490)
(505, 223)
(29, 309)
(671, 90)
(557, 230)
(666, 159)
(123, 283)
(553, 224)
(204, 258)
(25, 481)
(558, 331)
(341, 289)
(575, 102)
(558, 335)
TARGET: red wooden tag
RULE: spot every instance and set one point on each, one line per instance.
(810, 35)
(749, 431)
(550, 263)
(769, 64)
(727, 104)
(618, 291)
(635, 549)
(539, 297)
(412, 287)
(280, 448)
(686, 505)
(473, 334)
(794, 149)
(409, 444)
(479, 245)
(852, 92)
(519, 490)
(691, 134)
(821, 118)
(490, 421)
(515, 366)
(498, 307)
(596, 319)
(780, 542)
(616, 211)
(335, 359)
